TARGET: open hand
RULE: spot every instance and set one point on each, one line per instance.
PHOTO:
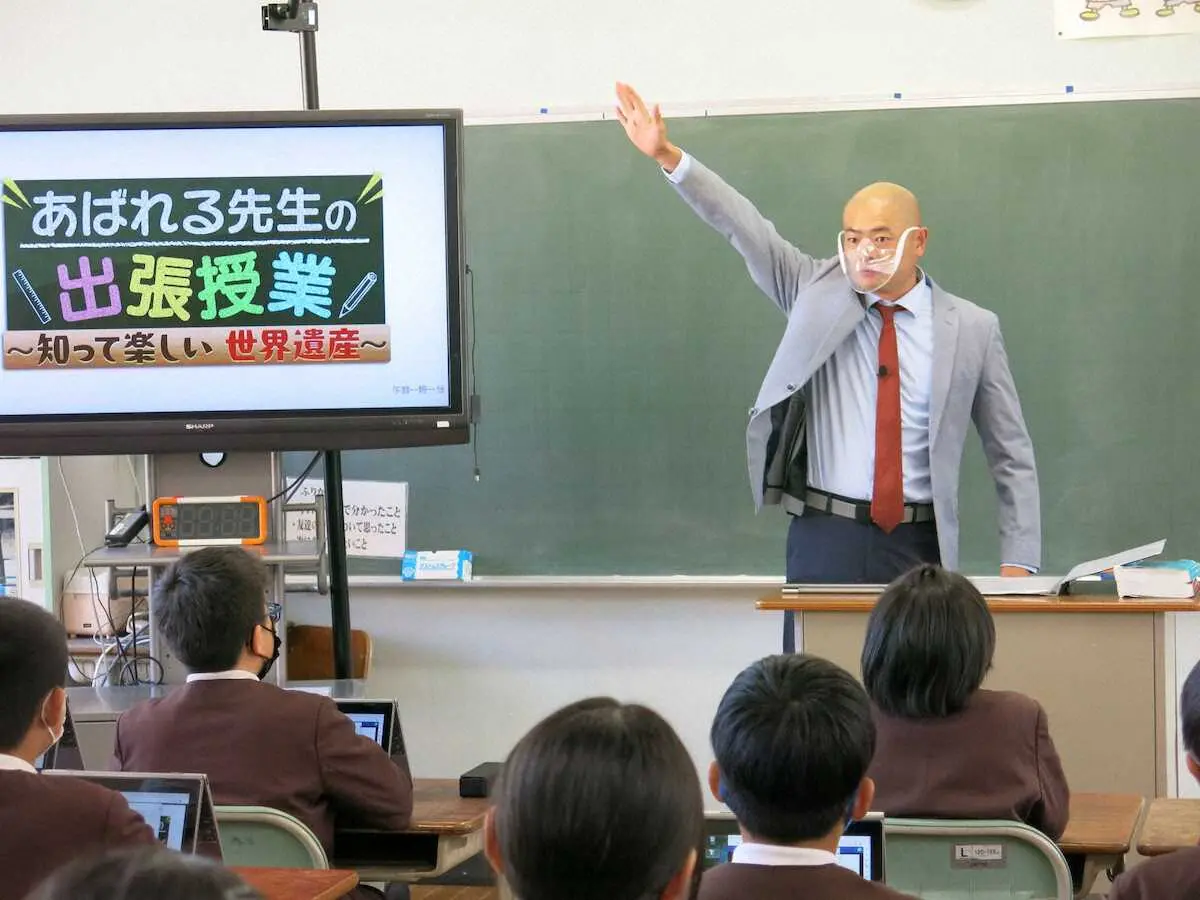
(645, 128)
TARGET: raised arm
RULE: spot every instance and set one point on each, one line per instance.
(779, 268)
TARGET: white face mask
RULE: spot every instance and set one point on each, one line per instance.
(54, 738)
(871, 263)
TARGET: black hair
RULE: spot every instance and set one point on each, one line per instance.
(793, 737)
(145, 873)
(929, 644)
(599, 801)
(207, 603)
(33, 662)
(1189, 712)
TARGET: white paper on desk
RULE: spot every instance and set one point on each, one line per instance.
(1050, 585)
(1021, 586)
(1124, 558)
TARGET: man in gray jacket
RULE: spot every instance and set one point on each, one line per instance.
(858, 428)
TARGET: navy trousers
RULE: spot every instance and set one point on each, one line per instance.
(826, 549)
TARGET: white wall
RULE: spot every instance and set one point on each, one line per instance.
(505, 56)
(82, 484)
(474, 669)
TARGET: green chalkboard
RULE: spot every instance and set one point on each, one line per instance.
(620, 342)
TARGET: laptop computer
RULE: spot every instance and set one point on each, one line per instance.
(178, 808)
(860, 849)
(377, 719)
(65, 754)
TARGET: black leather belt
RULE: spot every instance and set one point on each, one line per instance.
(859, 510)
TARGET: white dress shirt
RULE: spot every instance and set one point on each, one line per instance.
(15, 764)
(775, 855)
(842, 397)
(227, 675)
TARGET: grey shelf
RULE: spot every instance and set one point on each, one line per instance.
(274, 553)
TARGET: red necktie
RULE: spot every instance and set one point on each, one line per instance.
(887, 500)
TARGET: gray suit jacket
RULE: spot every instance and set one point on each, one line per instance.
(971, 378)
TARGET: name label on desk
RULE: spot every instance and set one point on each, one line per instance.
(978, 856)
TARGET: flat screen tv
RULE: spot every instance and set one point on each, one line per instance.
(232, 281)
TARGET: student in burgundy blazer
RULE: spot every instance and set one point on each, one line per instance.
(1175, 876)
(599, 801)
(947, 749)
(792, 738)
(45, 821)
(258, 744)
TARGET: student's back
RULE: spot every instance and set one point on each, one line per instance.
(45, 821)
(792, 738)
(1175, 876)
(258, 745)
(991, 760)
(944, 747)
(790, 882)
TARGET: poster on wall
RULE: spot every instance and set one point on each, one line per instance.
(1078, 19)
(194, 272)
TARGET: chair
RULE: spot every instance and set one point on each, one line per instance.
(263, 837)
(983, 859)
(310, 653)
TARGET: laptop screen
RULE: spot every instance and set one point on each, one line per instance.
(860, 848)
(370, 725)
(378, 720)
(170, 804)
(165, 813)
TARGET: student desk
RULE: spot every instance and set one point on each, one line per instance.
(446, 831)
(1171, 824)
(1101, 831)
(1098, 665)
(299, 884)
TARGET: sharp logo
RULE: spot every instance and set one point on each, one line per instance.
(200, 426)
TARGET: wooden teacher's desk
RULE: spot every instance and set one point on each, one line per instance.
(1098, 666)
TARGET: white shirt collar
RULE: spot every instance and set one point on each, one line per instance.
(227, 675)
(918, 301)
(775, 855)
(15, 764)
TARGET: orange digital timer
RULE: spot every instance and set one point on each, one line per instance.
(208, 521)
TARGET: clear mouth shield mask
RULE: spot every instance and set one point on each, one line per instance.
(870, 263)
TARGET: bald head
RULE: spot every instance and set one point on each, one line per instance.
(880, 221)
(883, 203)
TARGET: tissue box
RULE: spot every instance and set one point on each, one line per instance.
(436, 565)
